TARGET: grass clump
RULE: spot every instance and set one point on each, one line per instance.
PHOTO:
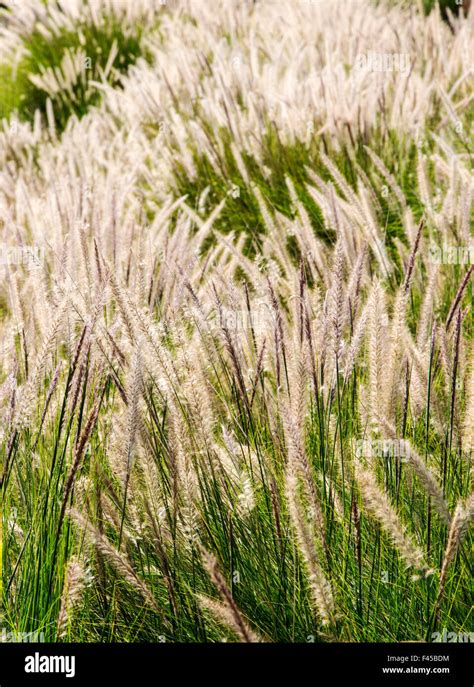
(66, 66)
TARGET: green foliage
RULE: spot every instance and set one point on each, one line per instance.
(63, 470)
(42, 53)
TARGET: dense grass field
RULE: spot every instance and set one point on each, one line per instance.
(236, 320)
